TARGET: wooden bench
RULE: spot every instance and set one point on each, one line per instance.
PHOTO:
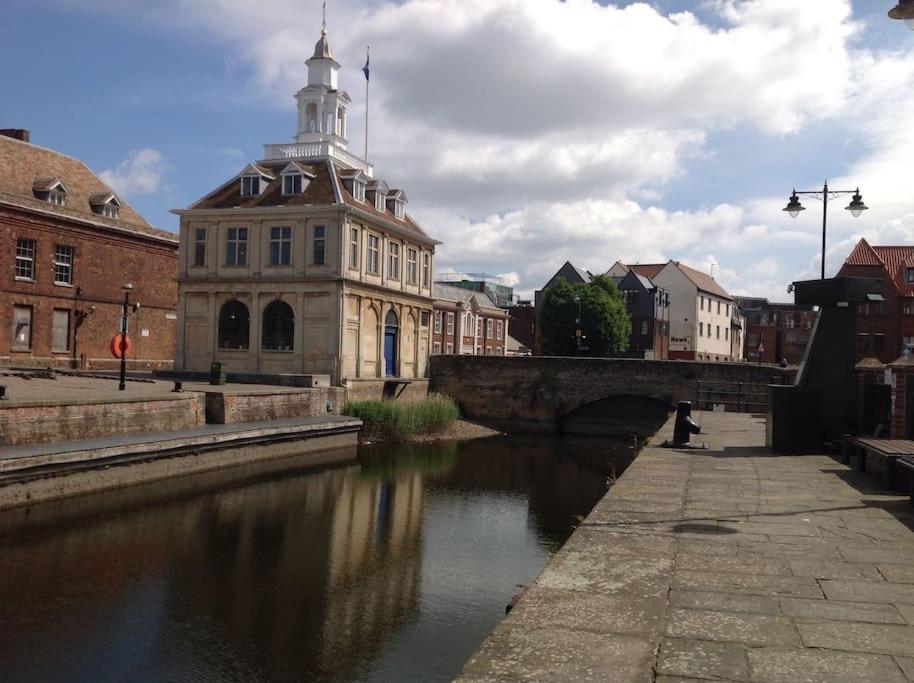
(856, 449)
(906, 462)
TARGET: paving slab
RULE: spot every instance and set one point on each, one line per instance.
(724, 564)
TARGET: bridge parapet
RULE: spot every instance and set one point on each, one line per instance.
(539, 392)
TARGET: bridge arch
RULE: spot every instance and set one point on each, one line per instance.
(617, 414)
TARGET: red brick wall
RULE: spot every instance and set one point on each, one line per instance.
(468, 340)
(103, 262)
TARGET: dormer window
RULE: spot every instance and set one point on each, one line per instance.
(250, 185)
(358, 190)
(106, 205)
(399, 210)
(292, 183)
(380, 201)
(396, 201)
(50, 190)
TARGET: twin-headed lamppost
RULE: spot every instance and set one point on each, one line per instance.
(904, 11)
(123, 378)
(856, 207)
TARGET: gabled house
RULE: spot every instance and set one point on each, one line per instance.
(467, 323)
(648, 308)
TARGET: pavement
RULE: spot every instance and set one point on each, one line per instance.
(729, 564)
(68, 388)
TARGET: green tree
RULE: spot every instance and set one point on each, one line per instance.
(605, 324)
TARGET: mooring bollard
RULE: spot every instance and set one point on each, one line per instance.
(685, 425)
(3, 396)
(179, 388)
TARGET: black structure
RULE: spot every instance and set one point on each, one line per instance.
(685, 425)
(821, 406)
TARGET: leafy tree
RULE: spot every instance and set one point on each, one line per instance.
(605, 324)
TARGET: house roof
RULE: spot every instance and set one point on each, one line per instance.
(481, 300)
(26, 168)
(321, 190)
(894, 259)
(703, 281)
(648, 270)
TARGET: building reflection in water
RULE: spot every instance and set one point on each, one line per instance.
(273, 571)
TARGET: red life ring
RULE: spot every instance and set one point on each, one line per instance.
(116, 345)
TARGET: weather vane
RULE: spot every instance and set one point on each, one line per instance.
(324, 22)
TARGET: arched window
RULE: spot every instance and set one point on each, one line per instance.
(278, 326)
(391, 319)
(234, 326)
(340, 123)
(311, 116)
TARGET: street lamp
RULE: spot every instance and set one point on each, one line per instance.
(577, 322)
(123, 379)
(904, 11)
(856, 207)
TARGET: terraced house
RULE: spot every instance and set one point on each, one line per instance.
(305, 262)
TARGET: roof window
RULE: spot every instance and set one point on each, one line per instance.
(106, 205)
(50, 190)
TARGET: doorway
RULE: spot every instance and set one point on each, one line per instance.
(391, 332)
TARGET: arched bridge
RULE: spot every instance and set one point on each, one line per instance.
(591, 395)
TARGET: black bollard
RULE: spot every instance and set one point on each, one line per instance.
(179, 388)
(3, 396)
(685, 425)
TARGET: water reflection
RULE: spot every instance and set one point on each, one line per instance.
(391, 568)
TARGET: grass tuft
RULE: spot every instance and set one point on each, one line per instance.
(395, 421)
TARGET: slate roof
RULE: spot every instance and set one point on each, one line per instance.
(894, 259)
(26, 168)
(648, 270)
(703, 281)
(444, 292)
(320, 191)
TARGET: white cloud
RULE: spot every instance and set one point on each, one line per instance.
(140, 173)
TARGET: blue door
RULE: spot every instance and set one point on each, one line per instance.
(390, 351)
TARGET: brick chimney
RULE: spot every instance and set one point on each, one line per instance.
(15, 133)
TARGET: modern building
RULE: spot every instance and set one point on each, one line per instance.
(885, 330)
(776, 331)
(467, 323)
(522, 318)
(491, 285)
(648, 308)
(70, 244)
(305, 262)
(702, 316)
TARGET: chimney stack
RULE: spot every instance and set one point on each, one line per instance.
(15, 133)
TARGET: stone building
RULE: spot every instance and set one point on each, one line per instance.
(467, 323)
(885, 329)
(69, 245)
(304, 262)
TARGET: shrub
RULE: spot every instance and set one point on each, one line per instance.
(395, 421)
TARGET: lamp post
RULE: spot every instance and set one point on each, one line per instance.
(904, 11)
(577, 322)
(856, 207)
(123, 379)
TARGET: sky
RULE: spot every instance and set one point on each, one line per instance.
(524, 132)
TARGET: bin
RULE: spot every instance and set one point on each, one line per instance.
(216, 373)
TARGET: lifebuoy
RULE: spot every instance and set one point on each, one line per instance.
(116, 345)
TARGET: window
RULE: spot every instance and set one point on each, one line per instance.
(426, 269)
(423, 319)
(374, 255)
(320, 242)
(25, 259)
(727, 313)
(718, 332)
(709, 330)
(234, 326)
(644, 328)
(907, 307)
(200, 247)
(22, 328)
(790, 323)
(437, 322)
(450, 323)
(450, 348)
(910, 275)
(488, 350)
(292, 183)
(111, 210)
(280, 246)
(236, 247)
(478, 351)
(393, 261)
(250, 185)
(718, 308)
(358, 190)
(701, 329)
(436, 347)
(701, 301)
(354, 248)
(278, 326)
(63, 265)
(488, 328)
(726, 334)
(479, 326)
(499, 329)
(57, 195)
(380, 200)
(412, 266)
(399, 210)
(60, 331)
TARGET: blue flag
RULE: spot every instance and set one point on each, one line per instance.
(365, 69)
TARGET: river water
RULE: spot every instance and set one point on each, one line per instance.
(392, 567)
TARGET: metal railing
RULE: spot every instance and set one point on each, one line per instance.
(735, 396)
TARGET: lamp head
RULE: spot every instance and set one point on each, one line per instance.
(793, 206)
(904, 11)
(856, 207)
(127, 288)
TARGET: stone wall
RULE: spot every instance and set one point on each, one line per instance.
(230, 408)
(50, 422)
(539, 392)
(378, 390)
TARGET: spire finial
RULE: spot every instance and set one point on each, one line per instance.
(324, 22)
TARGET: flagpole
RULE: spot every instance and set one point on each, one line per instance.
(367, 80)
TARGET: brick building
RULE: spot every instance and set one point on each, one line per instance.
(884, 328)
(69, 245)
(648, 309)
(776, 331)
(467, 323)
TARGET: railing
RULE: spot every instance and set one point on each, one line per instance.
(310, 150)
(738, 396)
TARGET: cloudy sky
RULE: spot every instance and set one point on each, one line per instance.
(525, 132)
